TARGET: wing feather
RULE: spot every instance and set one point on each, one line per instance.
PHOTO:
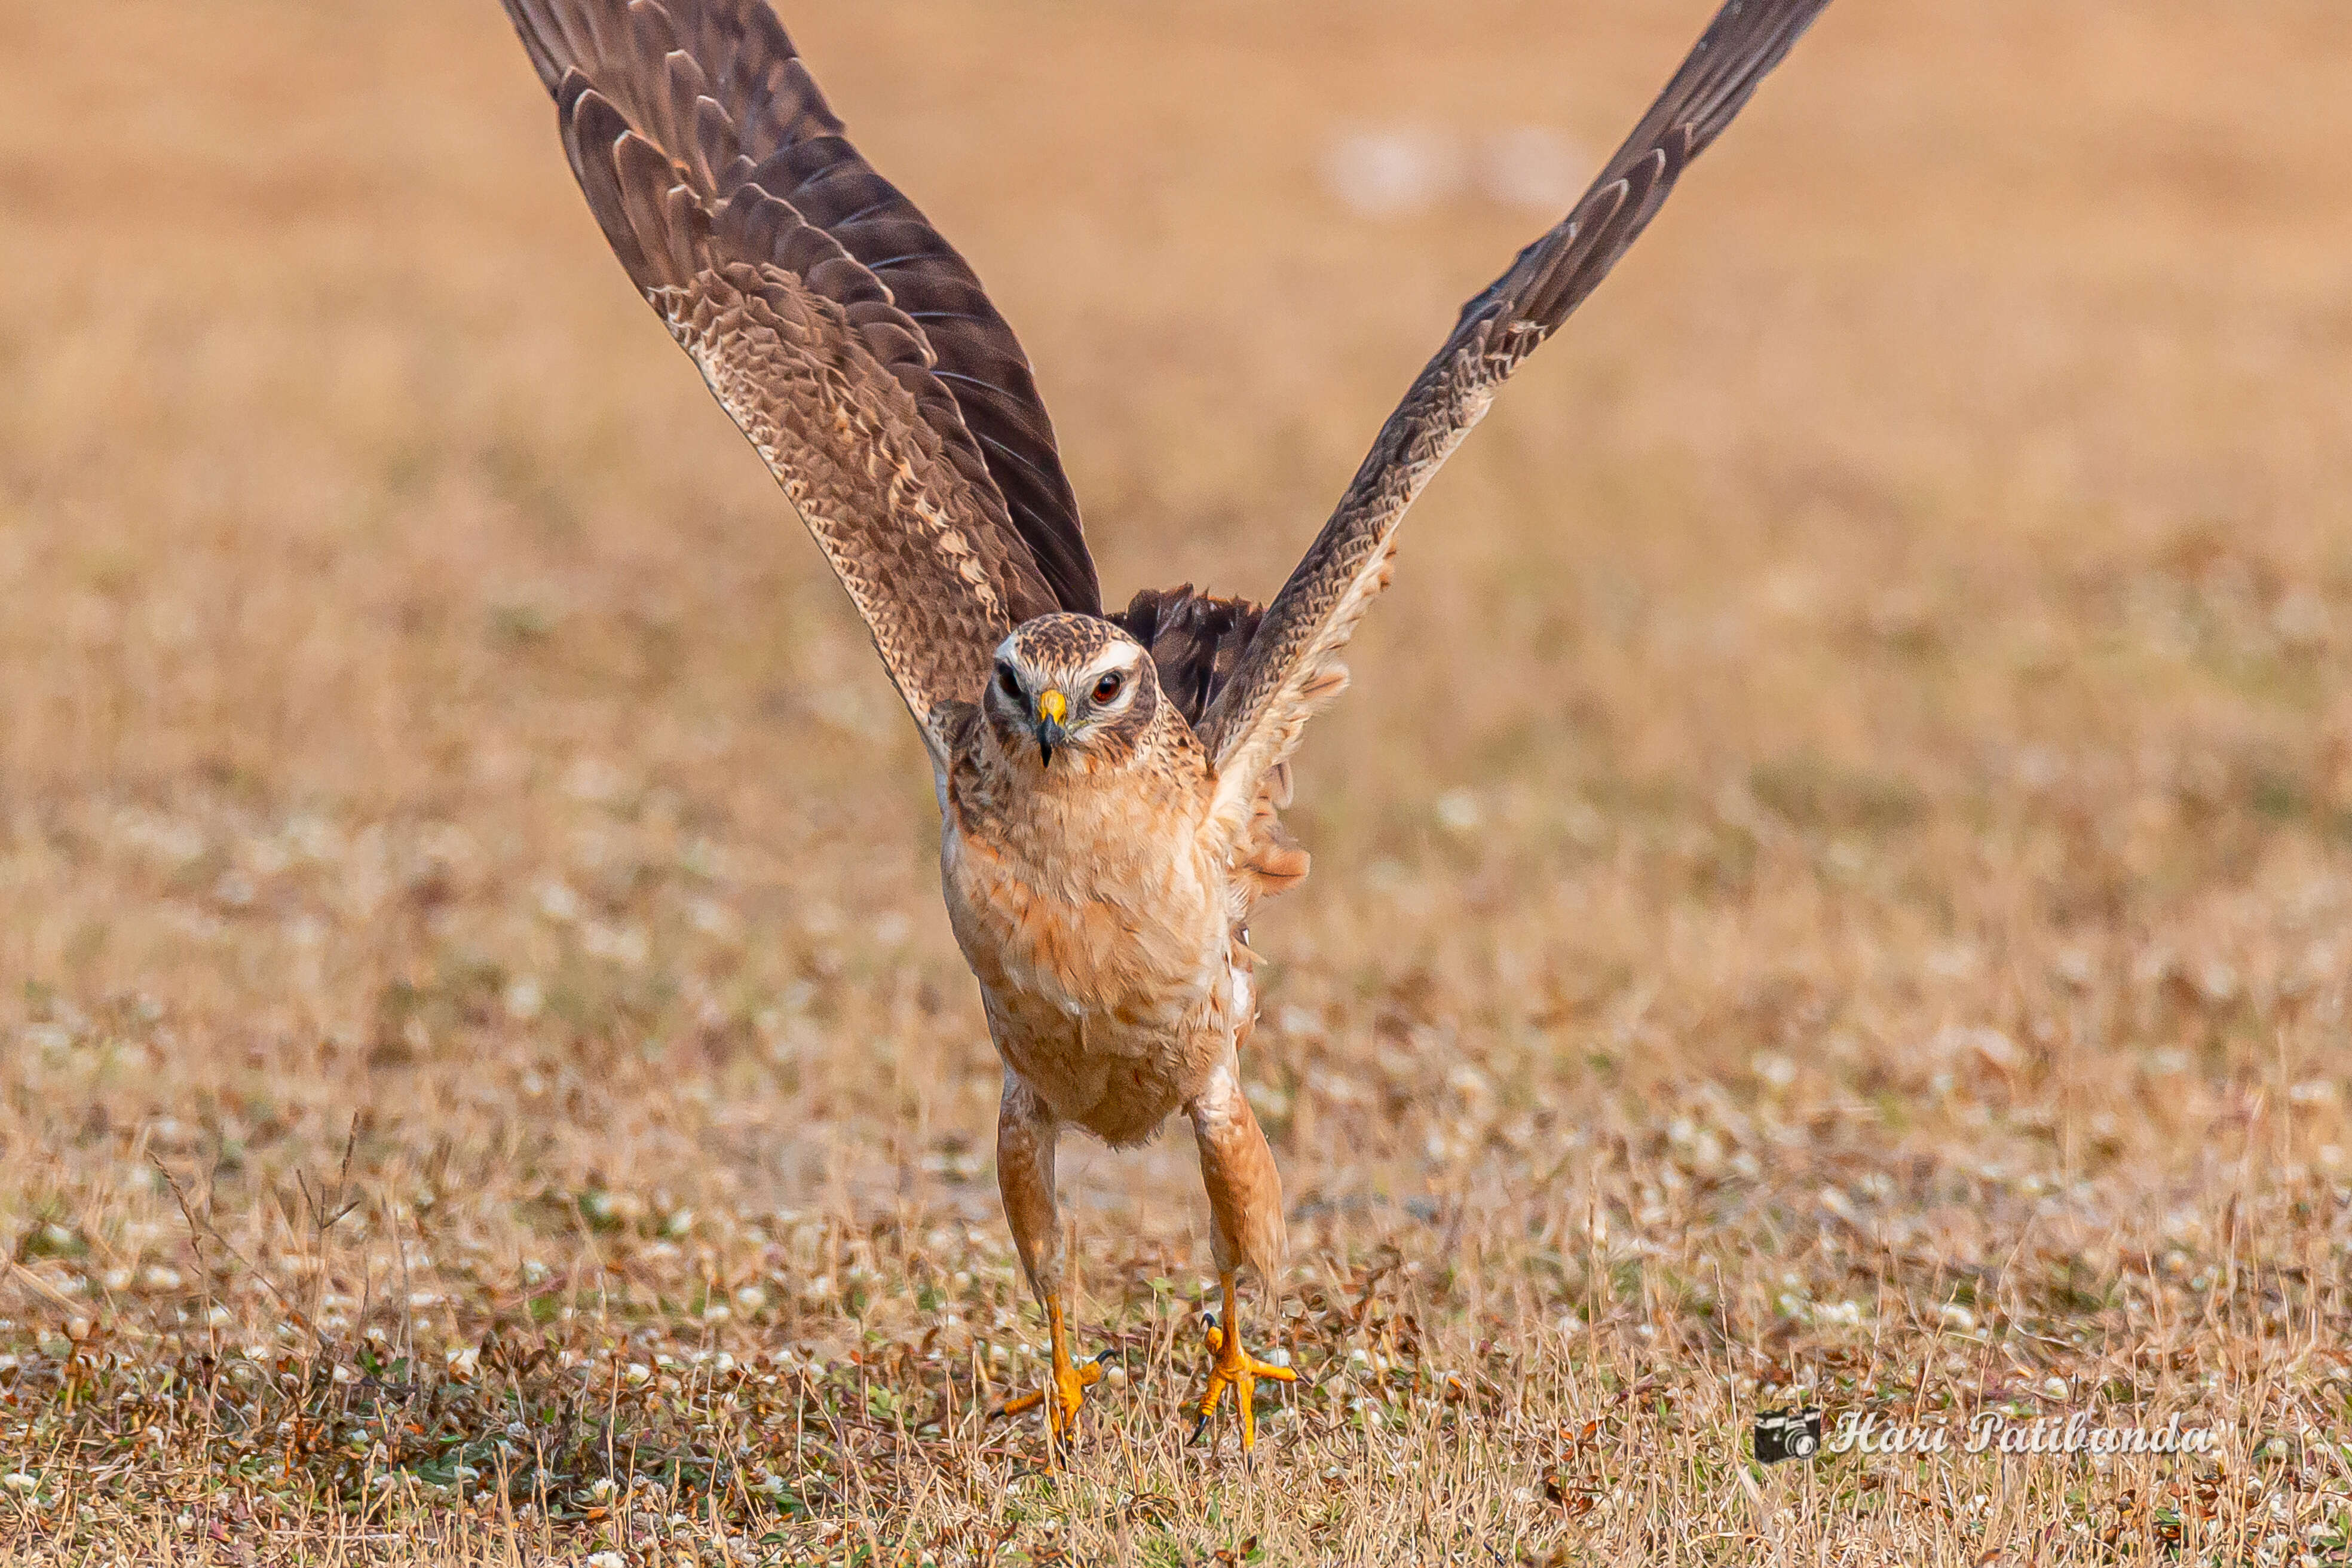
(785, 266)
(1292, 668)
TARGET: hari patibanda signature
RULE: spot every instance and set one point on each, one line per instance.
(1994, 1432)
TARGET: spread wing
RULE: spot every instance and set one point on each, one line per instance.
(851, 343)
(1292, 666)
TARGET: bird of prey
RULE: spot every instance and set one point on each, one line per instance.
(1109, 782)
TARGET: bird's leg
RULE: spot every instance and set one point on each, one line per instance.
(1245, 1228)
(1026, 1134)
(1238, 1368)
(1066, 1389)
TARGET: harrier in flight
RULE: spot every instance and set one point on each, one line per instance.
(1109, 782)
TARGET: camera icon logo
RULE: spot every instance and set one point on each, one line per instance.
(1788, 1435)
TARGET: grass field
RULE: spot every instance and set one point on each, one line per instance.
(1831, 884)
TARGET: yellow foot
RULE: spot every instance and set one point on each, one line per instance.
(1236, 1367)
(1064, 1392)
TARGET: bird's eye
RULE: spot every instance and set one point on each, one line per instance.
(1107, 689)
(1006, 681)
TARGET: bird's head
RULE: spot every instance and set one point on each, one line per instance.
(1072, 694)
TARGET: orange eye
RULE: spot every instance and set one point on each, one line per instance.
(1107, 689)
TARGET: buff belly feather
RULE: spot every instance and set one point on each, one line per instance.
(1106, 984)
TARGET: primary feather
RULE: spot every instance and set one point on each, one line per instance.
(851, 341)
(1292, 665)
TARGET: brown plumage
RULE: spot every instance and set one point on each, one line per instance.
(1110, 784)
(1197, 640)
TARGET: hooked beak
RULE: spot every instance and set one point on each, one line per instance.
(1052, 708)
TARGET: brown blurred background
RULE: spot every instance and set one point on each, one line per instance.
(1913, 597)
(1840, 850)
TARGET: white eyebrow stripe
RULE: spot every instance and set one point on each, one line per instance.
(1121, 656)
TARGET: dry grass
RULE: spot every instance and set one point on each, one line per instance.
(1832, 882)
